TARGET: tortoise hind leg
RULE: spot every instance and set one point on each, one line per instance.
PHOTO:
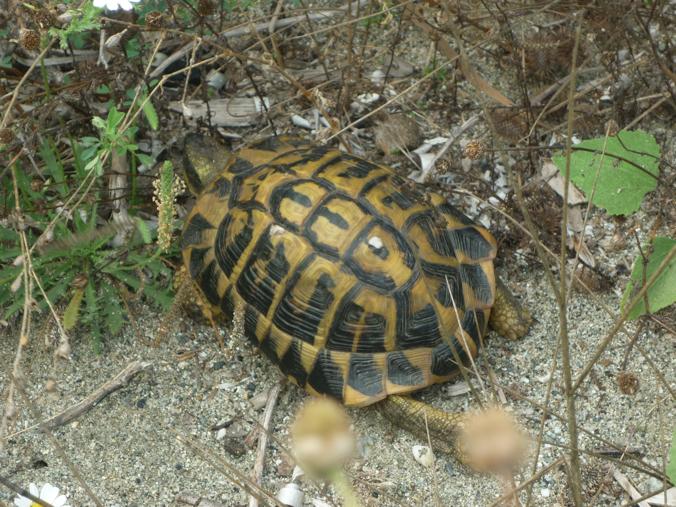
(417, 417)
(508, 318)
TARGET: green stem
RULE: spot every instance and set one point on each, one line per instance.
(344, 488)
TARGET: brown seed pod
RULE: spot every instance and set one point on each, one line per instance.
(154, 19)
(474, 149)
(29, 39)
(628, 382)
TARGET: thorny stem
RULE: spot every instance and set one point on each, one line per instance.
(575, 481)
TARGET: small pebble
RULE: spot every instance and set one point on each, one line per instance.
(544, 492)
(423, 455)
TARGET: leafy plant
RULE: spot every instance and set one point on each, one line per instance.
(84, 19)
(79, 267)
(663, 292)
(615, 174)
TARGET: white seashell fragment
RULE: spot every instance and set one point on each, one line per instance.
(423, 455)
(215, 79)
(299, 121)
(291, 495)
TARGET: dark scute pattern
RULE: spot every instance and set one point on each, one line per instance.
(380, 280)
(268, 144)
(401, 372)
(402, 200)
(453, 212)
(326, 376)
(372, 338)
(192, 234)
(302, 323)
(227, 304)
(333, 218)
(258, 288)
(250, 323)
(228, 254)
(316, 155)
(381, 252)
(474, 324)
(473, 275)
(364, 375)
(208, 282)
(420, 329)
(360, 168)
(452, 275)
(196, 262)
(470, 242)
(222, 187)
(438, 237)
(291, 364)
(443, 359)
(346, 323)
(241, 166)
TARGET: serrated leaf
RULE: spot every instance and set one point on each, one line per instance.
(151, 114)
(663, 292)
(144, 230)
(628, 170)
(72, 312)
(54, 167)
(671, 467)
(112, 309)
(93, 316)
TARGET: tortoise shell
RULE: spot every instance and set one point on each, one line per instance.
(350, 278)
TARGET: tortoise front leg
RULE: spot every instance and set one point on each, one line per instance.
(508, 318)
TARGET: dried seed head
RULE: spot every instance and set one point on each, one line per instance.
(29, 39)
(323, 440)
(6, 136)
(63, 350)
(44, 19)
(474, 149)
(627, 382)
(80, 281)
(491, 441)
(397, 132)
(205, 7)
(154, 19)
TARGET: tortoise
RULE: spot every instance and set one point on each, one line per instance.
(358, 284)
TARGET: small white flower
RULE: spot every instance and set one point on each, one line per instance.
(48, 493)
(113, 5)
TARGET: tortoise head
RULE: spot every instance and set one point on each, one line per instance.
(204, 158)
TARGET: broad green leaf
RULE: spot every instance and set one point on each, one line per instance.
(663, 292)
(93, 316)
(72, 312)
(628, 170)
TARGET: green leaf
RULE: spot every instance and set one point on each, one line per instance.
(628, 170)
(144, 230)
(70, 316)
(671, 467)
(663, 292)
(112, 308)
(151, 114)
(93, 316)
(54, 167)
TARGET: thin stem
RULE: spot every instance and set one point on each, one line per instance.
(575, 481)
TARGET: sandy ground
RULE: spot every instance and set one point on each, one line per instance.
(126, 447)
